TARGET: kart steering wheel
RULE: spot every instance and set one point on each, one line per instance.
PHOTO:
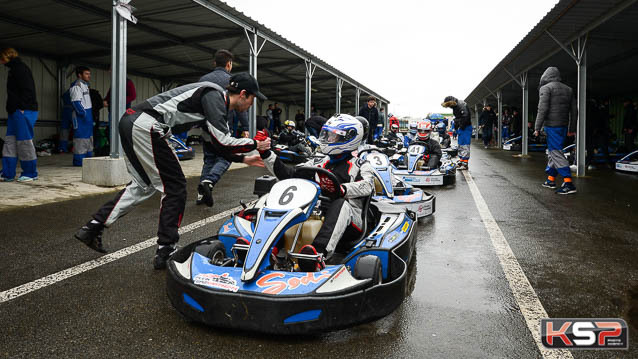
(311, 170)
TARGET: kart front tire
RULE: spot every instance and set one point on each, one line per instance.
(213, 250)
(369, 267)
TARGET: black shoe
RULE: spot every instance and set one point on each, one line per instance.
(91, 235)
(162, 255)
(205, 190)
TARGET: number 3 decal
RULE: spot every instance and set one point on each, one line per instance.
(287, 195)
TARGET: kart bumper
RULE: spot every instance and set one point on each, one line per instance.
(420, 178)
(426, 206)
(293, 314)
(627, 167)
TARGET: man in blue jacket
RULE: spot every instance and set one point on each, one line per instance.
(83, 120)
(216, 165)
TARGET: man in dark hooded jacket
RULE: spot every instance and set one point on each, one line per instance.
(463, 126)
(557, 113)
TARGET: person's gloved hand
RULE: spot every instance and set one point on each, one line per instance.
(263, 141)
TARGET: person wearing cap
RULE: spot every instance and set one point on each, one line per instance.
(144, 131)
(463, 127)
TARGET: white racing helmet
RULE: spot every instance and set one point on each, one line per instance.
(341, 134)
(394, 127)
(424, 129)
(413, 127)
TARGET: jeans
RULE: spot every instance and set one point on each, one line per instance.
(214, 165)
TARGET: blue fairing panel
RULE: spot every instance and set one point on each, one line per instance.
(271, 282)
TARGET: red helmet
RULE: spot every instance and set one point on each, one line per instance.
(423, 130)
(394, 127)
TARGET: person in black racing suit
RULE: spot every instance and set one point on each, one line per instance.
(292, 138)
(444, 138)
(339, 137)
(432, 147)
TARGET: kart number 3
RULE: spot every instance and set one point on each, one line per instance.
(287, 195)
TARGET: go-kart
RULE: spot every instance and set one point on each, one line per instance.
(182, 151)
(628, 163)
(394, 191)
(411, 168)
(534, 144)
(236, 279)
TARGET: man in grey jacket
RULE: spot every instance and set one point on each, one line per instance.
(557, 113)
(215, 165)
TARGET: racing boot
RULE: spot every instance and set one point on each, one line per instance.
(91, 235)
(162, 255)
(549, 184)
(566, 188)
(310, 265)
(205, 193)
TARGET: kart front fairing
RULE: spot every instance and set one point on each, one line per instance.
(403, 195)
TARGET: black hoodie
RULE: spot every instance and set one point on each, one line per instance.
(20, 87)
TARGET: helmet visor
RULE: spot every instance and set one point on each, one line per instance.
(331, 135)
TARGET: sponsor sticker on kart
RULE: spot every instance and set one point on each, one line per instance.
(422, 209)
(274, 283)
(424, 180)
(507, 146)
(217, 281)
(626, 167)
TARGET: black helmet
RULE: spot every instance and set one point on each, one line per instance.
(366, 126)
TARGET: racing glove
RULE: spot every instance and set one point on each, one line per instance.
(262, 136)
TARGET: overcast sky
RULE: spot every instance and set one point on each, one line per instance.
(414, 53)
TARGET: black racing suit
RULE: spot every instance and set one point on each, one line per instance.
(357, 179)
(294, 140)
(445, 139)
(433, 149)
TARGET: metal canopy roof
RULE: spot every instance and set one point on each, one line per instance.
(612, 47)
(174, 40)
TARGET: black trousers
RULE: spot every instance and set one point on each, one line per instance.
(154, 167)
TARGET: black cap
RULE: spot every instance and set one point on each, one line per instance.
(245, 81)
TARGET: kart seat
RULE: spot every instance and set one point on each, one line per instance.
(309, 231)
(378, 187)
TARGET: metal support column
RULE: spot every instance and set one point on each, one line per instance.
(582, 113)
(499, 98)
(356, 101)
(60, 89)
(579, 55)
(310, 71)
(255, 49)
(476, 116)
(118, 77)
(524, 113)
(338, 99)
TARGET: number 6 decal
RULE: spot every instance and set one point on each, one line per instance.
(287, 195)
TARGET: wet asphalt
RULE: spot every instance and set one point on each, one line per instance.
(579, 253)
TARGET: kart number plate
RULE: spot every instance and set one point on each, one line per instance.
(377, 160)
(507, 147)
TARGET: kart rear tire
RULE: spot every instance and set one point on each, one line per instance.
(213, 250)
(369, 267)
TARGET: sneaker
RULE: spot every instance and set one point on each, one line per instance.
(205, 189)
(310, 265)
(27, 178)
(162, 255)
(91, 235)
(566, 188)
(549, 184)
